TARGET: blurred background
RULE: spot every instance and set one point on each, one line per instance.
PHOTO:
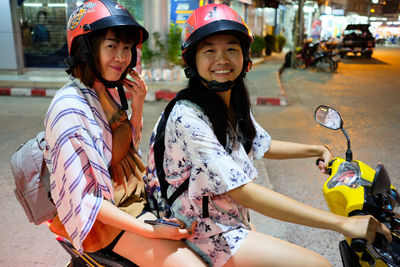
(33, 32)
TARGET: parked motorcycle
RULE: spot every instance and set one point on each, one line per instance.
(313, 55)
(354, 188)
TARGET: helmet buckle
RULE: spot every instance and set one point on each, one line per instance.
(86, 27)
(190, 73)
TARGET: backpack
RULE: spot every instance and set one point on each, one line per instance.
(32, 180)
(156, 185)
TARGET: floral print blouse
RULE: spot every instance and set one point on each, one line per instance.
(192, 151)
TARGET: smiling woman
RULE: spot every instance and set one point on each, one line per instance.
(97, 173)
(202, 153)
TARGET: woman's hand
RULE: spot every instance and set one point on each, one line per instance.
(112, 215)
(166, 231)
(138, 90)
(136, 87)
(365, 227)
(325, 156)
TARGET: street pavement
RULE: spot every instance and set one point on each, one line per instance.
(265, 89)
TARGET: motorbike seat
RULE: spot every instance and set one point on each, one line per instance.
(96, 259)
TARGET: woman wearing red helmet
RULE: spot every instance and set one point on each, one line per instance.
(211, 139)
(96, 172)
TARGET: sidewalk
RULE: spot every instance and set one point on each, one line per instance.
(263, 80)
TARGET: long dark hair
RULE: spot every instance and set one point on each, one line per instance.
(237, 117)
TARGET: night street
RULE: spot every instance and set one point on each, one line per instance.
(366, 92)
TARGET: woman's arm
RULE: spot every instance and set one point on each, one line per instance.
(281, 207)
(111, 215)
(289, 150)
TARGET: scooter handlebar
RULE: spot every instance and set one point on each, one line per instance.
(358, 244)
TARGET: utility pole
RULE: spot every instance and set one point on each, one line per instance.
(298, 30)
(301, 22)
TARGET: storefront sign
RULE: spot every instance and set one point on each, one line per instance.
(181, 10)
(338, 12)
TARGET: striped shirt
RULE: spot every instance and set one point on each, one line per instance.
(78, 156)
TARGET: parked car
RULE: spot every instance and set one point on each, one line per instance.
(358, 40)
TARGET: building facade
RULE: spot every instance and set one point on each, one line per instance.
(33, 32)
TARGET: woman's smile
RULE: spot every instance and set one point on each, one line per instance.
(225, 71)
(117, 68)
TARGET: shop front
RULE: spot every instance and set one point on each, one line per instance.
(43, 29)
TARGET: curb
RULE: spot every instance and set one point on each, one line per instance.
(272, 101)
(163, 94)
(282, 100)
(150, 97)
(28, 92)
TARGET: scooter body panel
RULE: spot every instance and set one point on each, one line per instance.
(343, 199)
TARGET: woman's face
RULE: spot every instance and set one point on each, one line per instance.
(115, 56)
(219, 58)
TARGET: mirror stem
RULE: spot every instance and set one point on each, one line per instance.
(349, 153)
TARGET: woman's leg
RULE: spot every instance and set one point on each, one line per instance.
(262, 250)
(156, 252)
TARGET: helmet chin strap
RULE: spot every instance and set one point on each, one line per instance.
(217, 86)
(212, 85)
(112, 84)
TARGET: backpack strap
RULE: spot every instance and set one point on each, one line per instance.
(205, 206)
(44, 175)
(182, 188)
(42, 145)
(159, 148)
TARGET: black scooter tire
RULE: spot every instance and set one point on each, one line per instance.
(325, 63)
(336, 65)
(298, 62)
(332, 65)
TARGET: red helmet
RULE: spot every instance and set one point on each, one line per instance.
(211, 19)
(96, 15)
(100, 14)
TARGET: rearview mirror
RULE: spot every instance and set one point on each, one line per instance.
(328, 117)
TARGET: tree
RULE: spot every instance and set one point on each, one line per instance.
(257, 46)
(173, 45)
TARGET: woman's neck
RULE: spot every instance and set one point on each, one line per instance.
(226, 97)
(99, 87)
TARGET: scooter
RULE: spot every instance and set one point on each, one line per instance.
(311, 56)
(354, 188)
(96, 259)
